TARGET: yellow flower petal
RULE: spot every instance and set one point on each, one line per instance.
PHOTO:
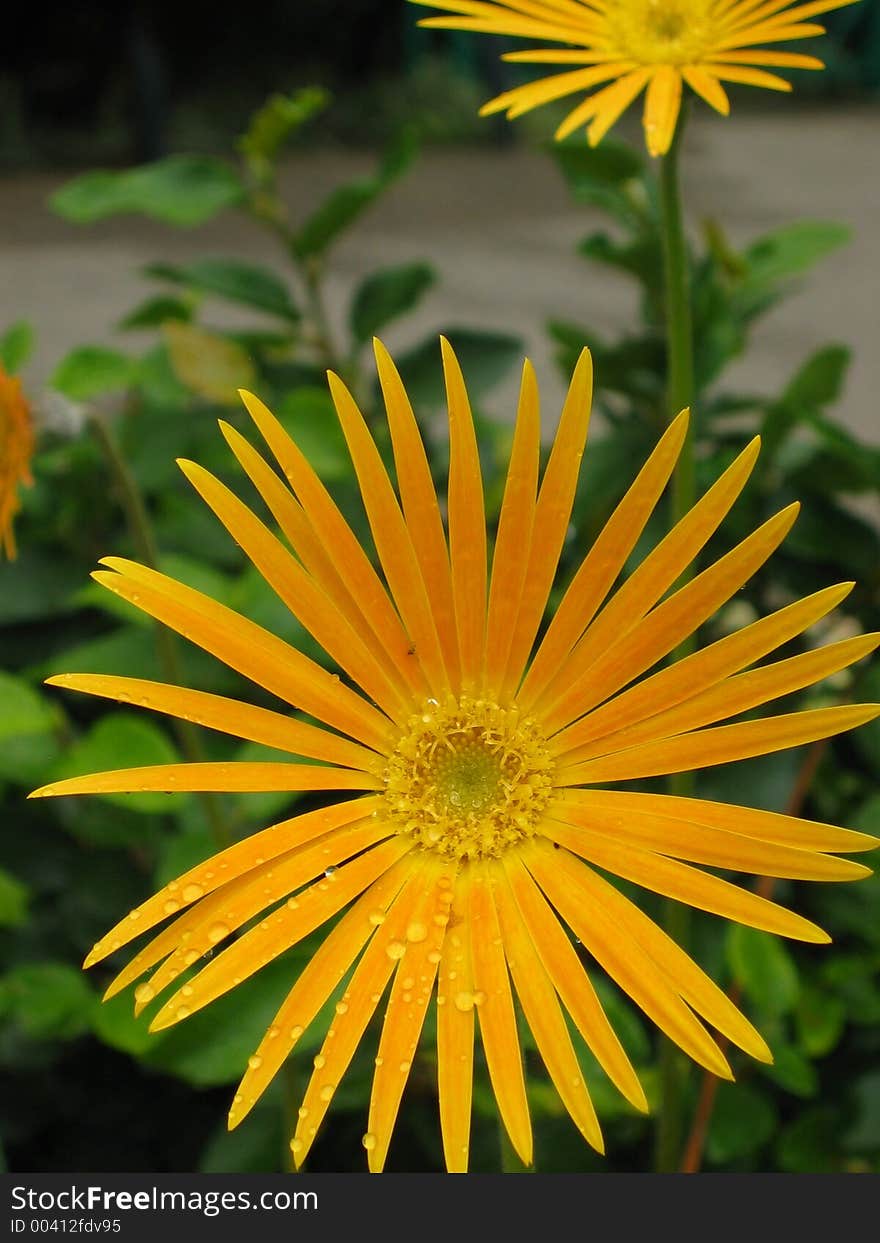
(552, 515)
(640, 713)
(467, 524)
(391, 537)
(230, 716)
(582, 899)
(341, 544)
(573, 984)
(283, 928)
(721, 745)
(321, 975)
(543, 1014)
(684, 883)
(407, 1005)
(362, 995)
(514, 532)
(497, 1017)
(455, 1030)
(420, 506)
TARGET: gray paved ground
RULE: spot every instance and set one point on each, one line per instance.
(499, 227)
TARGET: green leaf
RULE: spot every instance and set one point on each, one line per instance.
(244, 283)
(210, 365)
(346, 203)
(50, 1000)
(275, 122)
(819, 380)
(309, 416)
(385, 295)
(115, 1024)
(22, 709)
(183, 190)
(16, 346)
(251, 1149)
(763, 968)
(607, 177)
(820, 1018)
(13, 900)
(792, 1071)
(742, 1122)
(154, 312)
(792, 250)
(120, 740)
(865, 1133)
(810, 1144)
(485, 358)
(93, 369)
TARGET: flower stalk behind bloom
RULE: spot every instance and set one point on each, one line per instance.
(625, 47)
(464, 761)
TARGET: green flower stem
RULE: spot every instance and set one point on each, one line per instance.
(141, 531)
(680, 393)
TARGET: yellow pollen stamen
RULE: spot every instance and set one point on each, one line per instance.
(468, 779)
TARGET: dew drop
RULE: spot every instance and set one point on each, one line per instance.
(404, 1067)
(416, 931)
(376, 918)
(187, 990)
(296, 1032)
(302, 1112)
(342, 1007)
(217, 932)
(464, 1001)
(330, 872)
(395, 949)
(369, 1141)
(318, 1061)
(171, 906)
(255, 1061)
(143, 994)
(326, 1093)
(182, 1012)
(296, 1145)
(135, 914)
(192, 892)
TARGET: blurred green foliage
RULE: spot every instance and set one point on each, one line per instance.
(84, 1085)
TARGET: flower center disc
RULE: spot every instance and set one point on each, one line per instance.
(468, 779)
(673, 32)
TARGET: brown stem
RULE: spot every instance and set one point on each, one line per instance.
(692, 1157)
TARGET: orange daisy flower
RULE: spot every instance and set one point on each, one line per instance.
(481, 821)
(16, 451)
(629, 46)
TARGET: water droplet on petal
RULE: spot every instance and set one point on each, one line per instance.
(143, 994)
(326, 1093)
(296, 1032)
(416, 931)
(318, 1061)
(171, 906)
(192, 892)
(296, 1145)
(217, 932)
(395, 949)
(369, 1141)
(255, 1061)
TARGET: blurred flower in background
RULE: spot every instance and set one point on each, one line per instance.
(630, 46)
(16, 450)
